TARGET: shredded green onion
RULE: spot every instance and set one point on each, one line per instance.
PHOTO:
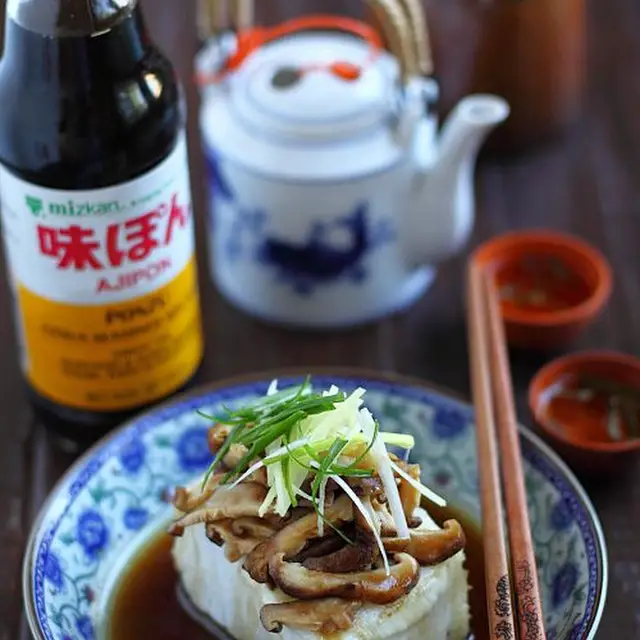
(286, 474)
(322, 471)
(298, 435)
(363, 455)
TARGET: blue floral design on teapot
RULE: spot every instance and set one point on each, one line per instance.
(314, 262)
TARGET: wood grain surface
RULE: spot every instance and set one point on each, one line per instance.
(588, 183)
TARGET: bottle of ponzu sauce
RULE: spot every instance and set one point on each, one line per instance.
(96, 213)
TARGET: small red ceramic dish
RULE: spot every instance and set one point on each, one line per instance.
(588, 406)
(551, 285)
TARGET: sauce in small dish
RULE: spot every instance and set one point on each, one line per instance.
(145, 605)
(551, 285)
(540, 284)
(588, 405)
(593, 409)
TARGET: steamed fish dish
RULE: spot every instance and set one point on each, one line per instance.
(308, 526)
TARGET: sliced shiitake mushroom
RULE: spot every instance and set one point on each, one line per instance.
(383, 514)
(317, 547)
(292, 515)
(409, 495)
(430, 546)
(328, 500)
(238, 548)
(215, 533)
(350, 558)
(216, 436)
(243, 500)
(325, 616)
(252, 527)
(235, 454)
(235, 547)
(292, 538)
(331, 487)
(382, 518)
(367, 487)
(368, 586)
(184, 500)
(259, 476)
(239, 536)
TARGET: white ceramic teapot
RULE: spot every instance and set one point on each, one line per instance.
(332, 193)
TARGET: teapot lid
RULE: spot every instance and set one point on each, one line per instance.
(285, 89)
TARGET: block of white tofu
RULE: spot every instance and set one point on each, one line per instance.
(436, 609)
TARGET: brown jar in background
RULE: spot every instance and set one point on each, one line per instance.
(531, 52)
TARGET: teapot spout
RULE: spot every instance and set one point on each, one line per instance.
(447, 200)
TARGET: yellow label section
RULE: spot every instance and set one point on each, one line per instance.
(114, 356)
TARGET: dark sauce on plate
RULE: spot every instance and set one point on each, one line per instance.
(474, 555)
(146, 607)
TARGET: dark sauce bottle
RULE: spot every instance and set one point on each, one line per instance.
(96, 212)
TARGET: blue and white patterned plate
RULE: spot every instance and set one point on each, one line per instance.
(117, 495)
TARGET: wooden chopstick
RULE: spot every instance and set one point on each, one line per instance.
(495, 409)
(497, 579)
(523, 561)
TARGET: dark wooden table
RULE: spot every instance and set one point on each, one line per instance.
(588, 184)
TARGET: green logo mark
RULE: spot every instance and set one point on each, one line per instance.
(34, 204)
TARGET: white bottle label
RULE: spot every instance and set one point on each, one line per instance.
(105, 285)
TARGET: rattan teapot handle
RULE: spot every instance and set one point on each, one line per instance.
(403, 23)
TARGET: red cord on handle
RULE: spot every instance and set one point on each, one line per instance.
(249, 40)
